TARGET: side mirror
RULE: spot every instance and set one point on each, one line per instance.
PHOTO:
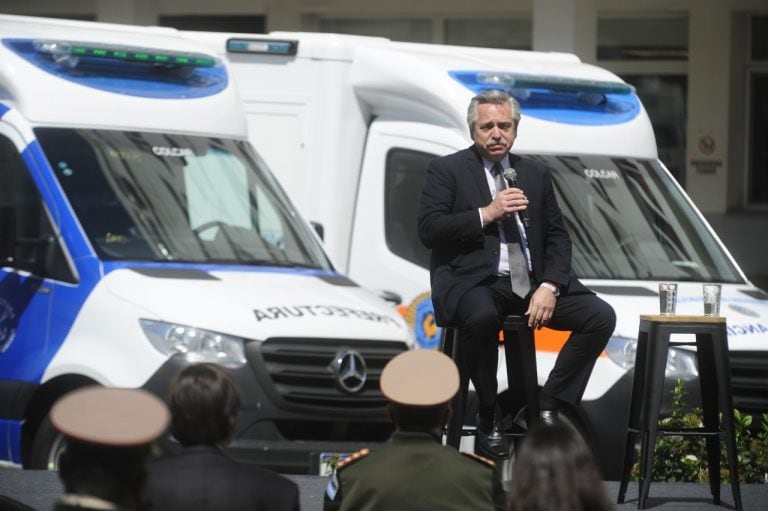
(319, 229)
(389, 296)
(34, 255)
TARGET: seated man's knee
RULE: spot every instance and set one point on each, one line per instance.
(481, 320)
(603, 320)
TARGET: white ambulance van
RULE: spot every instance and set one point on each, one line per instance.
(348, 124)
(140, 232)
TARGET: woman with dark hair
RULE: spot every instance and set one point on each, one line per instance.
(205, 402)
(556, 471)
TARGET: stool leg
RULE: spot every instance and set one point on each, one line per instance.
(723, 368)
(520, 357)
(452, 347)
(710, 405)
(638, 383)
(658, 347)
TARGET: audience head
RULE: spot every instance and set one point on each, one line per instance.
(555, 471)
(109, 433)
(205, 403)
(419, 385)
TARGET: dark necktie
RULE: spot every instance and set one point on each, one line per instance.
(518, 268)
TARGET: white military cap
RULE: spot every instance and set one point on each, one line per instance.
(420, 378)
(112, 417)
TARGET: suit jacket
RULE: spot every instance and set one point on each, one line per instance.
(463, 252)
(203, 478)
(414, 472)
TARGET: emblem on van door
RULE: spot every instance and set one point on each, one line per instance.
(349, 368)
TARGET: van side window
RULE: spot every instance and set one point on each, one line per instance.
(27, 238)
(404, 178)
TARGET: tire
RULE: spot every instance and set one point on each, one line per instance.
(47, 447)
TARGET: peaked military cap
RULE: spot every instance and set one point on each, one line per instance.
(420, 377)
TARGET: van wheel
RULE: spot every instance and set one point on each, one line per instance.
(47, 447)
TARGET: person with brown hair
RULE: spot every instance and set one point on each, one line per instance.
(556, 471)
(205, 403)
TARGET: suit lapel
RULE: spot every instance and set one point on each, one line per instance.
(474, 167)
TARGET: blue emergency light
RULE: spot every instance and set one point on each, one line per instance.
(129, 70)
(559, 99)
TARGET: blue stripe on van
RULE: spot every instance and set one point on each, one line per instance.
(3, 108)
(36, 315)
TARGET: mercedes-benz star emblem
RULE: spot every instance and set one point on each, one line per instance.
(349, 368)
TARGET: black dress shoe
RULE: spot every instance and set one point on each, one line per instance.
(549, 417)
(491, 439)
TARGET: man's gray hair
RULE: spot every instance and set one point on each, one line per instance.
(493, 97)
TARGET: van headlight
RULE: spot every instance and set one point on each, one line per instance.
(196, 344)
(681, 364)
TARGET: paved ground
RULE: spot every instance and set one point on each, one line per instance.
(40, 489)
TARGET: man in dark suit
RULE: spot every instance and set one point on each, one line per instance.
(486, 263)
(204, 403)
(414, 471)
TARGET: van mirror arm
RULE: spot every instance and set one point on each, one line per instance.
(389, 296)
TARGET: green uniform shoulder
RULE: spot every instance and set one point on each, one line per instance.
(333, 490)
(480, 459)
(345, 462)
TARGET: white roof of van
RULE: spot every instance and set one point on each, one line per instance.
(47, 97)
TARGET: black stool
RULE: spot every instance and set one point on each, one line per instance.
(520, 355)
(653, 343)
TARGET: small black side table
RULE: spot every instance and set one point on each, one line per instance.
(653, 344)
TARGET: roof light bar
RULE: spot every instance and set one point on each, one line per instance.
(262, 46)
(124, 69)
(557, 98)
(553, 83)
(69, 53)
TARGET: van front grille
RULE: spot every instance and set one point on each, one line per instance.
(749, 380)
(302, 371)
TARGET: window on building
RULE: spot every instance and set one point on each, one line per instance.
(757, 189)
(508, 33)
(417, 30)
(238, 23)
(642, 38)
(664, 98)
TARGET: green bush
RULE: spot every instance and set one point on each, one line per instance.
(684, 458)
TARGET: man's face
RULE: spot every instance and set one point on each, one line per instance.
(495, 131)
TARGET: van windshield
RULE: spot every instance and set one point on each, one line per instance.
(629, 220)
(151, 197)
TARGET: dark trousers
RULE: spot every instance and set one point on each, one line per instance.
(481, 312)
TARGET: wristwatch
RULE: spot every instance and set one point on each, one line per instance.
(555, 290)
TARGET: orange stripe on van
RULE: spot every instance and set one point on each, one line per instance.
(549, 340)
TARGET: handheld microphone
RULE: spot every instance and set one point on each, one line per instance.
(510, 175)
